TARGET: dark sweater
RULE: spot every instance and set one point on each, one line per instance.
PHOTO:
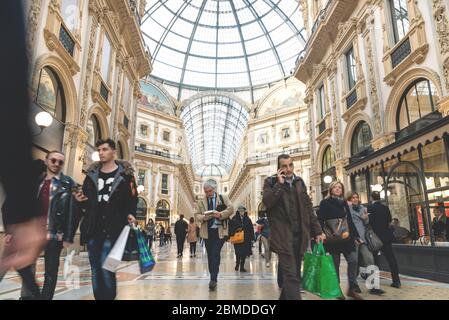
(332, 208)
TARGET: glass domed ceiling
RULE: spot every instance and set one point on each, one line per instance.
(222, 44)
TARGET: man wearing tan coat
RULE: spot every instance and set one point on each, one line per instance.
(214, 228)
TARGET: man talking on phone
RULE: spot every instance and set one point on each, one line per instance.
(292, 223)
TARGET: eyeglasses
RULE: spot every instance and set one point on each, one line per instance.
(54, 161)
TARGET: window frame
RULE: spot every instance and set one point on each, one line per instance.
(351, 68)
(395, 20)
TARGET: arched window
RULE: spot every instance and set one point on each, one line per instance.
(328, 159)
(93, 130)
(417, 101)
(361, 139)
(50, 95)
(163, 209)
(163, 204)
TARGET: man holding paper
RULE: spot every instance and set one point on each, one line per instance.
(212, 213)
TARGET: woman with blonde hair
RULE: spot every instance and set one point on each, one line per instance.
(341, 235)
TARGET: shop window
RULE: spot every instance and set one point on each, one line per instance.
(361, 187)
(376, 179)
(436, 170)
(50, 95)
(407, 203)
(418, 100)
(361, 139)
(399, 19)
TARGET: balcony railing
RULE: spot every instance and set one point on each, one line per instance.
(351, 99)
(361, 154)
(66, 40)
(322, 127)
(157, 153)
(276, 154)
(401, 52)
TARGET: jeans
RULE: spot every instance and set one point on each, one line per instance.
(365, 257)
(290, 271)
(266, 245)
(104, 283)
(193, 247)
(213, 248)
(387, 251)
(52, 255)
(351, 259)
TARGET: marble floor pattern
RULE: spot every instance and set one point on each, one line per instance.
(187, 278)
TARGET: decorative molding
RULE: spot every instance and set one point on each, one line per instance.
(442, 27)
(33, 21)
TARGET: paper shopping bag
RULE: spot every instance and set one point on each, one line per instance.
(115, 256)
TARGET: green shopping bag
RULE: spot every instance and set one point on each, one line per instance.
(311, 271)
(329, 286)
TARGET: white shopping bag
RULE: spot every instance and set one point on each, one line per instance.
(115, 256)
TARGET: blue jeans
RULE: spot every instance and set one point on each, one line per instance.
(104, 283)
(213, 248)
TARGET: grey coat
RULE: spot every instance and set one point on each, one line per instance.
(359, 222)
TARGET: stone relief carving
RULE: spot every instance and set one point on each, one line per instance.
(442, 26)
(33, 20)
(89, 68)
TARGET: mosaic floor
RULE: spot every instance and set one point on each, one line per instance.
(187, 278)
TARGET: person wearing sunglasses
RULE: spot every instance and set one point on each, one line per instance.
(58, 213)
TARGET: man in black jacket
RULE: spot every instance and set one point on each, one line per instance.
(109, 203)
(292, 223)
(181, 232)
(58, 214)
(380, 219)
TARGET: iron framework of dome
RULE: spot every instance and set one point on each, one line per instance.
(222, 45)
(214, 125)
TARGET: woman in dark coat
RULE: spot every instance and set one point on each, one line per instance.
(243, 250)
(336, 207)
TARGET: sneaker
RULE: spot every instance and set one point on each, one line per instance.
(212, 285)
(377, 292)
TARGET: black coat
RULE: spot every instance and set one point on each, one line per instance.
(122, 200)
(332, 208)
(380, 219)
(244, 249)
(181, 228)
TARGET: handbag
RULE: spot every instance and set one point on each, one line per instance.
(146, 259)
(336, 230)
(238, 237)
(114, 257)
(373, 242)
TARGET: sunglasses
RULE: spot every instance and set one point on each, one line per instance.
(54, 161)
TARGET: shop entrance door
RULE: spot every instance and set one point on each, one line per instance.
(405, 194)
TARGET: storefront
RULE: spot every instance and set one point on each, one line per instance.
(412, 176)
(163, 214)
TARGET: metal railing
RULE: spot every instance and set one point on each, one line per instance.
(66, 40)
(401, 52)
(158, 153)
(276, 154)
